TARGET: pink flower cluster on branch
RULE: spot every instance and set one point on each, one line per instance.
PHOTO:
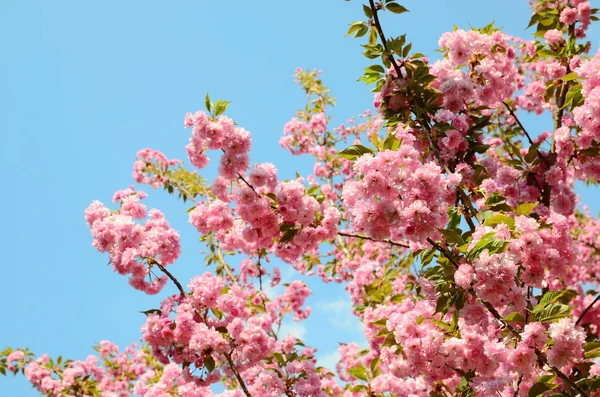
(451, 223)
(134, 248)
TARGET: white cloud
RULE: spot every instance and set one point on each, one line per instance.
(329, 360)
(297, 330)
(339, 314)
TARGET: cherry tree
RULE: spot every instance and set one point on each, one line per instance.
(454, 228)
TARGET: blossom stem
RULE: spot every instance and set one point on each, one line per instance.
(383, 39)
(237, 375)
(587, 309)
(168, 274)
(538, 353)
(443, 251)
(388, 241)
(514, 115)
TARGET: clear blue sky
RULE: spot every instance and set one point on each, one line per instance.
(85, 84)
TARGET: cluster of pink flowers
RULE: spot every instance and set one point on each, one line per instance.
(265, 211)
(478, 68)
(208, 133)
(303, 137)
(398, 196)
(159, 160)
(133, 248)
(112, 372)
(462, 250)
(587, 116)
(215, 331)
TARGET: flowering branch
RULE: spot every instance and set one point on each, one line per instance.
(237, 375)
(514, 115)
(152, 261)
(383, 39)
(388, 241)
(587, 309)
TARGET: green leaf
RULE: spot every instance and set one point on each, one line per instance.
(489, 242)
(481, 148)
(391, 142)
(358, 28)
(217, 313)
(374, 366)
(220, 107)
(534, 19)
(359, 373)
(574, 97)
(207, 102)
(564, 296)
(367, 10)
(152, 311)
(453, 236)
(526, 208)
(279, 358)
(515, 317)
(532, 152)
(592, 349)
(570, 77)
(454, 220)
(375, 69)
(396, 8)
(288, 235)
(209, 363)
(552, 312)
(390, 340)
(355, 151)
(542, 385)
(498, 219)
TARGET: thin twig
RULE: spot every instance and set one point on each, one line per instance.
(587, 309)
(248, 184)
(383, 39)
(514, 115)
(387, 241)
(168, 274)
(237, 375)
(538, 353)
(443, 251)
(225, 265)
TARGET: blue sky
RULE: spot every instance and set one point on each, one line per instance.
(85, 85)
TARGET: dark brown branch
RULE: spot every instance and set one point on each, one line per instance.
(587, 309)
(514, 115)
(237, 375)
(387, 241)
(248, 184)
(383, 39)
(560, 102)
(538, 353)
(168, 274)
(424, 124)
(561, 375)
(545, 191)
(443, 251)
(518, 386)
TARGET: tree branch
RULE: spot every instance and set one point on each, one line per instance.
(587, 309)
(388, 241)
(383, 39)
(237, 375)
(443, 251)
(514, 115)
(538, 353)
(152, 261)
